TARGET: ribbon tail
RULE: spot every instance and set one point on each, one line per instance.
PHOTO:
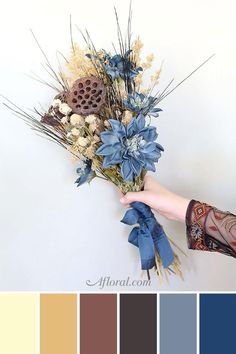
(162, 245)
(146, 249)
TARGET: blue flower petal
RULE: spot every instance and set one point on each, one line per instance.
(107, 162)
(131, 128)
(149, 134)
(112, 160)
(117, 127)
(154, 155)
(126, 171)
(136, 166)
(159, 147)
(149, 165)
(105, 149)
(139, 123)
(155, 111)
(108, 137)
(81, 180)
(148, 147)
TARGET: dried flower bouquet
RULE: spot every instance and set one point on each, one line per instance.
(102, 114)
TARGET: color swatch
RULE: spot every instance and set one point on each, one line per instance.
(217, 323)
(178, 324)
(138, 323)
(98, 323)
(18, 324)
(58, 324)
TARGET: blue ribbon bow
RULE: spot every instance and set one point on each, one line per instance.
(148, 236)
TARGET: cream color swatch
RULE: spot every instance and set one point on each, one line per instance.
(18, 324)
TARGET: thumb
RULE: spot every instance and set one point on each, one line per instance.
(131, 197)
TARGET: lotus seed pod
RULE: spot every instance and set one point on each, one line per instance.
(87, 96)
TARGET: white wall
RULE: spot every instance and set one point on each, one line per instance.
(54, 236)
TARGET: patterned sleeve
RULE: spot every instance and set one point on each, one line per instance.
(209, 229)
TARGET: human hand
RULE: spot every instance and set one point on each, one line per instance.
(166, 203)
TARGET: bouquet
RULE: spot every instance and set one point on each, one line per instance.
(102, 115)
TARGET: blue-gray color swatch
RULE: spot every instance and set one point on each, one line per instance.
(178, 323)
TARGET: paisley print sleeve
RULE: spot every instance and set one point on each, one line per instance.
(209, 229)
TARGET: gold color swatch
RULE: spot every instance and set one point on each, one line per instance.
(18, 324)
(58, 323)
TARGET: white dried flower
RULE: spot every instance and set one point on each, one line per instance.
(65, 109)
(82, 141)
(64, 120)
(90, 152)
(92, 127)
(91, 119)
(75, 132)
(56, 103)
(76, 119)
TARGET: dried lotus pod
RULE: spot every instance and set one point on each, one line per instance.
(87, 96)
(62, 96)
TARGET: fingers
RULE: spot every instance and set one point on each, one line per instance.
(131, 197)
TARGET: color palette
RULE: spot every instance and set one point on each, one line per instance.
(117, 323)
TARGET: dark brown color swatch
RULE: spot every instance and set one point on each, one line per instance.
(98, 324)
(138, 324)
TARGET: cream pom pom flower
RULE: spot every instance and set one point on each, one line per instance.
(65, 109)
(91, 119)
(75, 132)
(82, 141)
(76, 119)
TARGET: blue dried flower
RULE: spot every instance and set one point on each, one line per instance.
(121, 66)
(133, 147)
(139, 103)
(85, 173)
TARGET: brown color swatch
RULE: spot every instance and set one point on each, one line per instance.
(58, 324)
(138, 324)
(98, 323)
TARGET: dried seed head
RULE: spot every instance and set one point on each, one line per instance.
(87, 95)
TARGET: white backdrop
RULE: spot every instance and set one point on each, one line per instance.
(54, 236)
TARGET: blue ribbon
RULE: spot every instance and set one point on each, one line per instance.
(148, 236)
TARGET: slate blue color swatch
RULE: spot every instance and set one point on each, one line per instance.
(217, 323)
(178, 324)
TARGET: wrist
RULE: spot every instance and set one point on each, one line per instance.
(181, 209)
